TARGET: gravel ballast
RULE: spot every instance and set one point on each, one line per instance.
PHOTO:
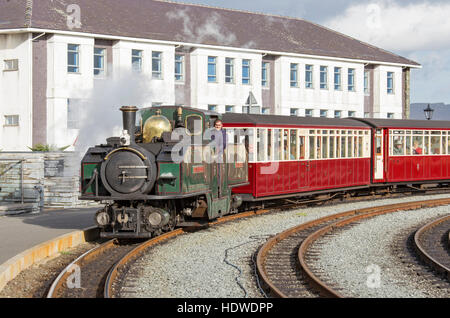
(361, 258)
(217, 262)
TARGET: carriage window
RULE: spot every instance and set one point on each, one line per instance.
(435, 144)
(278, 151)
(448, 145)
(301, 142)
(444, 144)
(293, 140)
(261, 144)
(350, 147)
(312, 147)
(343, 147)
(286, 145)
(398, 145)
(360, 147)
(319, 147)
(426, 145)
(408, 145)
(269, 144)
(338, 147)
(325, 147)
(417, 147)
(331, 152)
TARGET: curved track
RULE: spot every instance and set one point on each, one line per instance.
(282, 262)
(85, 277)
(432, 245)
(95, 273)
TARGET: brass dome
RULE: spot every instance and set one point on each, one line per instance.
(155, 126)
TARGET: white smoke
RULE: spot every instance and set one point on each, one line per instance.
(100, 117)
(213, 28)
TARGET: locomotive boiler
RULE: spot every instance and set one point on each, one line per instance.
(162, 173)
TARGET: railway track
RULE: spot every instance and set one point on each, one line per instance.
(85, 277)
(432, 245)
(100, 270)
(95, 274)
(283, 262)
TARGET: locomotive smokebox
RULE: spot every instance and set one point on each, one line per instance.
(129, 123)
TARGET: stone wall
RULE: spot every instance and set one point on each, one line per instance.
(56, 172)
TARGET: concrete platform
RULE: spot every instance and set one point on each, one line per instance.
(23, 231)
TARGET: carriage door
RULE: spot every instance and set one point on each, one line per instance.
(378, 171)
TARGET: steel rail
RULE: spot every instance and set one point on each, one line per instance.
(422, 251)
(58, 284)
(348, 217)
(115, 271)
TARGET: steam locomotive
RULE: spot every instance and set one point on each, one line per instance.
(162, 173)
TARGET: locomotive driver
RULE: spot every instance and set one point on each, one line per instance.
(219, 137)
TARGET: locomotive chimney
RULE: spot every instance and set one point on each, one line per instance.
(129, 121)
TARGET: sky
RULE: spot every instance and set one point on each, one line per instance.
(415, 29)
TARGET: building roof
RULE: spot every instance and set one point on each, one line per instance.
(406, 123)
(196, 24)
(255, 119)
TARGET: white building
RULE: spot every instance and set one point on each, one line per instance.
(209, 58)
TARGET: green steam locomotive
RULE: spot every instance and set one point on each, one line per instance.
(164, 173)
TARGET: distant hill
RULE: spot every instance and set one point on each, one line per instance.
(441, 111)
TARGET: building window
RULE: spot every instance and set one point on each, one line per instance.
(212, 108)
(309, 76)
(390, 115)
(246, 71)
(73, 58)
(252, 110)
(351, 79)
(229, 70)
(294, 75)
(265, 111)
(308, 112)
(99, 61)
(323, 113)
(179, 68)
(294, 111)
(337, 114)
(11, 65)
(337, 78)
(136, 60)
(351, 114)
(157, 65)
(229, 109)
(265, 74)
(366, 115)
(73, 114)
(366, 83)
(12, 120)
(390, 82)
(212, 69)
(323, 77)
